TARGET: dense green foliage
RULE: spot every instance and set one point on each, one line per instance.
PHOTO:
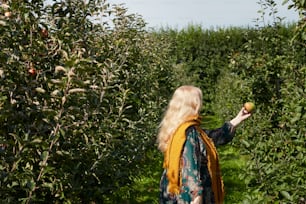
(201, 55)
(273, 72)
(80, 103)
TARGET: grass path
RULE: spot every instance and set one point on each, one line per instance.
(232, 164)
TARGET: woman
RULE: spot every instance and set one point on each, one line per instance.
(191, 167)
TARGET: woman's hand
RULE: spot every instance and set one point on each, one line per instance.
(197, 200)
(241, 116)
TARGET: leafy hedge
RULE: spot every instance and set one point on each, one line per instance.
(273, 70)
(79, 100)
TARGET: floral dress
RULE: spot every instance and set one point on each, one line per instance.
(196, 180)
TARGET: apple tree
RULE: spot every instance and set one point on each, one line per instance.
(81, 86)
(270, 70)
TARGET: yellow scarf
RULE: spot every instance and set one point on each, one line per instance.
(172, 158)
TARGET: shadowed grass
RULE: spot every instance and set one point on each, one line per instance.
(232, 164)
(145, 187)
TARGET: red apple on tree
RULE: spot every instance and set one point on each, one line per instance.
(32, 71)
(44, 32)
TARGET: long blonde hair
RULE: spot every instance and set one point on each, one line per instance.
(186, 101)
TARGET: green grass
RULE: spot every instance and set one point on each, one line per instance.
(145, 187)
(232, 164)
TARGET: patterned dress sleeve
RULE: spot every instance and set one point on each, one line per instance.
(190, 167)
(222, 135)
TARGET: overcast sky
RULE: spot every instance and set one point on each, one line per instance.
(207, 13)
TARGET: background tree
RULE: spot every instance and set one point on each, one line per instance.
(300, 6)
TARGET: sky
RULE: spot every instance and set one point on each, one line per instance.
(179, 14)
